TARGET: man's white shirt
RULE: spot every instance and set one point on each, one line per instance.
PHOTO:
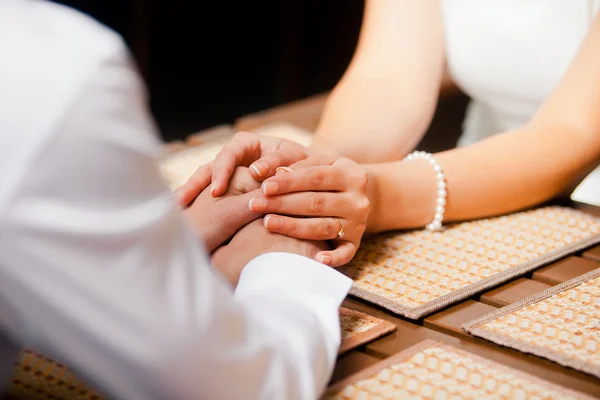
(98, 268)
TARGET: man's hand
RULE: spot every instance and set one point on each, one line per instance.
(254, 240)
(217, 219)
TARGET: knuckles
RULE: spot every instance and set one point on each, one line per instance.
(361, 227)
(244, 136)
(360, 178)
(315, 178)
(363, 205)
(315, 202)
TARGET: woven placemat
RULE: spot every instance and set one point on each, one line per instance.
(178, 166)
(37, 377)
(561, 323)
(359, 328)
(419, 272)
(432, 370)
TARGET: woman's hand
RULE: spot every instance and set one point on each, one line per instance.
(263, 154)
(216, 220)
(331, 192)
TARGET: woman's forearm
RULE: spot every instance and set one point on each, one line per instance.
(370, 120)
(382, 106)
(504, 173)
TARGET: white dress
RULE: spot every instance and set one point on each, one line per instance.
(508, 56)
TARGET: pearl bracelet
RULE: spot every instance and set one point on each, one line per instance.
(440, 207)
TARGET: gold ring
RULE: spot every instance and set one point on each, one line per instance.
(286, 169)
(341, 231)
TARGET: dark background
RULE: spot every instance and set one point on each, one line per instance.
(208, 63)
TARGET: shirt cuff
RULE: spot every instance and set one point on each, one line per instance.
(287, 271)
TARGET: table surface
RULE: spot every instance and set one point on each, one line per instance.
(444, 325)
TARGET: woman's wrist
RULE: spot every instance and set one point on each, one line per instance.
(403, 195)
(373, 193)
(436, 223)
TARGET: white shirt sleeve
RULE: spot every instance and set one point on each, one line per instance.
(103, 273)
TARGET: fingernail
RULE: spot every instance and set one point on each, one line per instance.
(257, 204)
(283, 169)
(324, 258)
(272, 222)
(270, 187)
(212, 190)
(260, 168)
(177, 191)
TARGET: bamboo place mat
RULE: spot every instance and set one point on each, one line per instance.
(430, 370)
(178, 166)
(561, 323)
(359, 328)
(419, 272)
(37, 377)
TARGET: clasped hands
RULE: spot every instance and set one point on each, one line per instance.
(245, 196)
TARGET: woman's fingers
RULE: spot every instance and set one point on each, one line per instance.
(224, 165)
(188, 192)
(243, 149)
(281, 154)
(306, 228)
(315, 178)
(319, 229)
(263, 154)
(267, 165)
(318, 173)
(314, 161)
(314, 204)
(306, 179)
(328, 189)
(341, 255)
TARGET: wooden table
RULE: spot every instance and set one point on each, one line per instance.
(444, 325)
